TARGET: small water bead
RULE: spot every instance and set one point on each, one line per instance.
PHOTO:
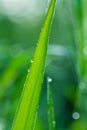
(76, 115)
(49, 79)
(31, 61)
(28, 71)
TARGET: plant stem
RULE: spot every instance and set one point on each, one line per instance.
(50, 107)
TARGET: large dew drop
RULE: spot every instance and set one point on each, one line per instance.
(76, 115)
(49, 79)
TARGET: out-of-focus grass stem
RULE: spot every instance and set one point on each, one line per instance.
(51, 117)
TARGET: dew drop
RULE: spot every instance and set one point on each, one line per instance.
(76, 115)
(28, 71)
(31, 61)
(49, 79)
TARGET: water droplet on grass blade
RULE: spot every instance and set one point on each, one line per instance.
(28, 71)
(76, 115)
(31, 61)
(49, 79)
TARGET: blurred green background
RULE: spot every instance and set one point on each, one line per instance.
(20, 26)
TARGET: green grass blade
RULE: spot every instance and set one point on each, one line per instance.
(83, 64)
(25, 116)
(11, 73)
(50, 106)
